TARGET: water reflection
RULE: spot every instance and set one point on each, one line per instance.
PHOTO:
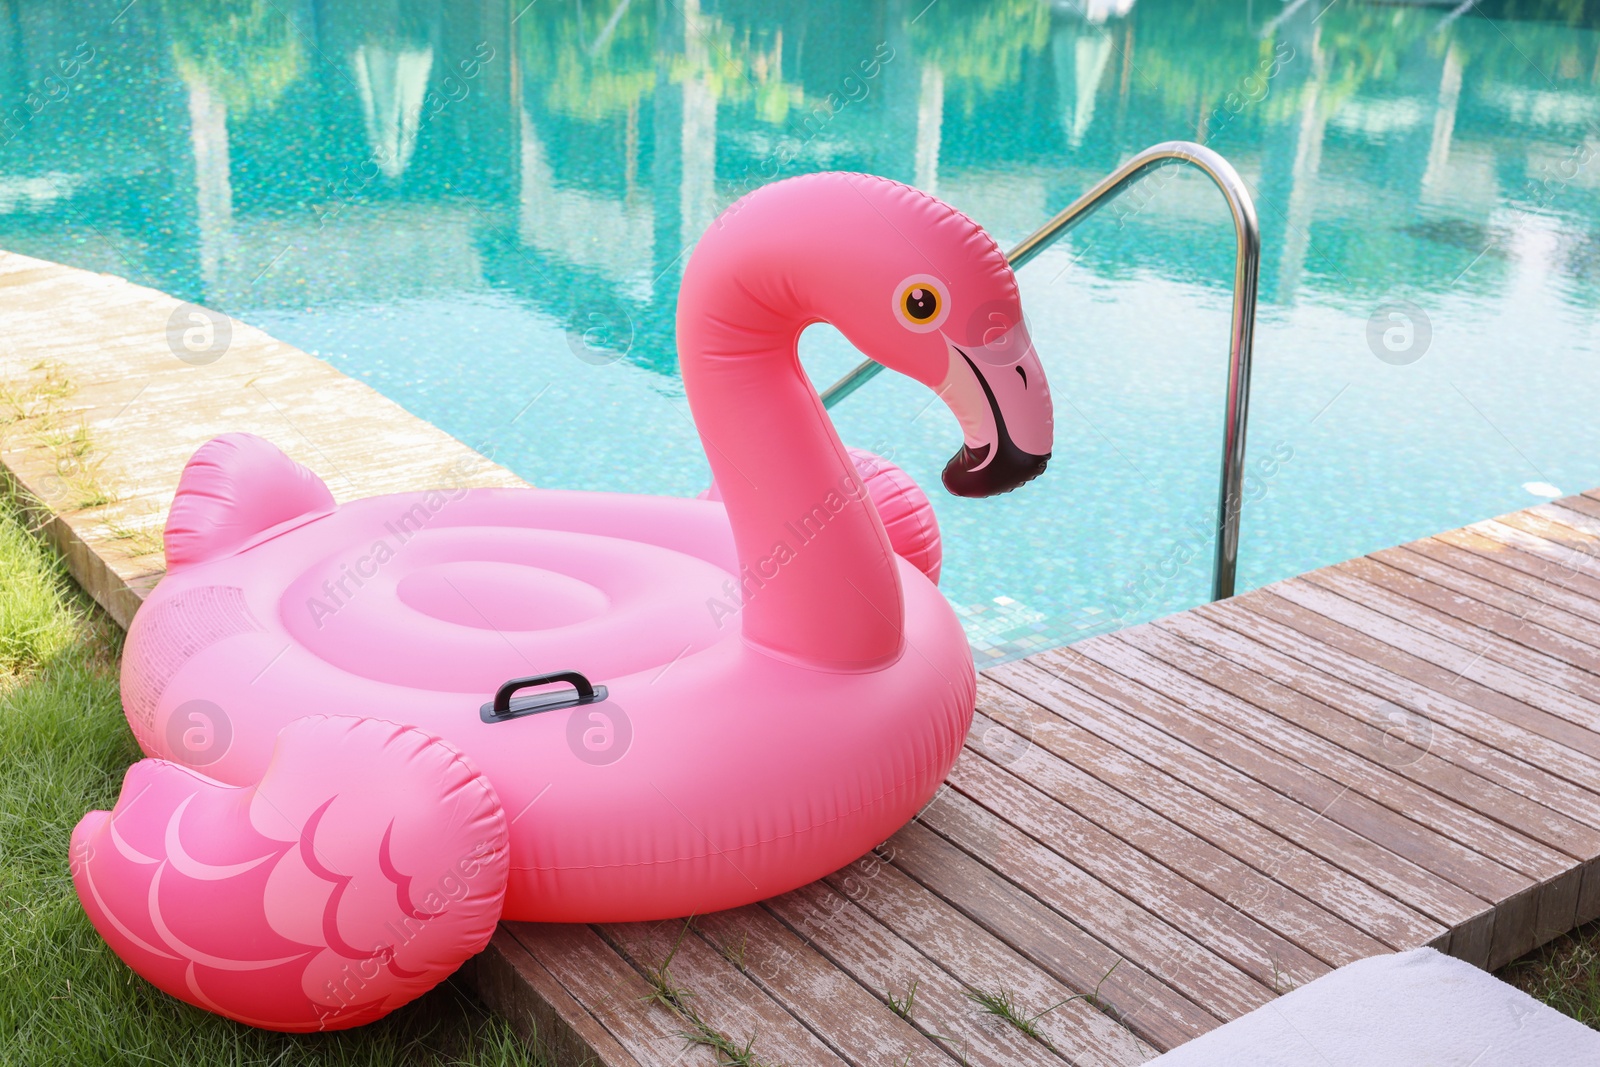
(613, 132)
(410, 185)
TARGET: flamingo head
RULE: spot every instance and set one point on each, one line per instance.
(928, 293)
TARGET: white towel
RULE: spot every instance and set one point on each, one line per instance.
(1412, 1009)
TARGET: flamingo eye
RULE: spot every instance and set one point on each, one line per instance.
(920, 303)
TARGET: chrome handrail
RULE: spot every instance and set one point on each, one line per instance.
(1246, 274)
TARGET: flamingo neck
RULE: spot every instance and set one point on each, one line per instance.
(818, 583)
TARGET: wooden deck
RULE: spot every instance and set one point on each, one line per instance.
(1186, 817)
(1154, 831)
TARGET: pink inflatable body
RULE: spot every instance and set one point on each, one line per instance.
(367, 761)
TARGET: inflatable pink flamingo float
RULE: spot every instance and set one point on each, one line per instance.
(748, 693)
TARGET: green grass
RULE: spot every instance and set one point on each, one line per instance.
(904, 1006)
(1564, 974)
(64, 997)
(1003, 1005)
(665, 991)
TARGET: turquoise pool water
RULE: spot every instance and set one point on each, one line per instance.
(483, 210)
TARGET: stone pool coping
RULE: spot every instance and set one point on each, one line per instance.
(107, 388)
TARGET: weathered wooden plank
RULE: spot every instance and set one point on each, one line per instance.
(1470, 664)
(1276, 857)
(1312, 785)
(1419, 686)
(1529, 630)
(850, 1020)
(1468, 734)
(1487, 644)
(515, 985)
(1342, 793)
(1228, 880)
(1138, 933)
(1552, 607)
(725, 998)
(1572, 513)
(1585, 552)
(1256, 950)
(610, 990)
(1522, 551)
(1498, 565)
(978, 960)
(1139, 1000)
(1524, 919)
(1589, 895)
(852, 940)
(1435, 691)
(1576, 561)
(1586, 503)
(1062, 689)
(1357, 722)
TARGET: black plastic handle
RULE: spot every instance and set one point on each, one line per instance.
(503, 708)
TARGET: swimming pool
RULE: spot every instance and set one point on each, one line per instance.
(483, 211)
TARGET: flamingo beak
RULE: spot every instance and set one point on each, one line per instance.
(998, 393)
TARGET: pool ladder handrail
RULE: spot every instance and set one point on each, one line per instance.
(1246, 276)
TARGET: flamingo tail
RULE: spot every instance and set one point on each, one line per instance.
(367, 864)
(235, 487)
